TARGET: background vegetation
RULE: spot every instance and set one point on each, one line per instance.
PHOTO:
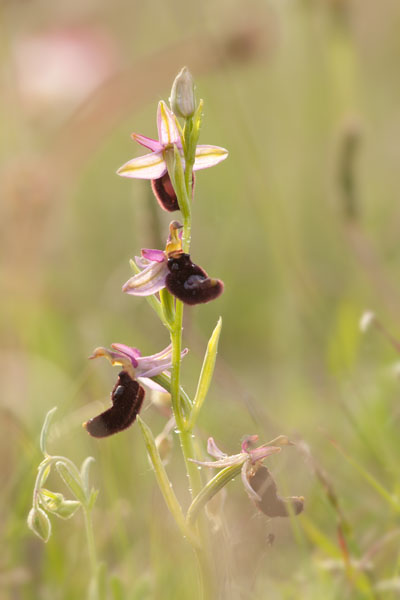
(302, 223)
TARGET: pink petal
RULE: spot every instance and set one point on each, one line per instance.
(213, 449)
(167, 130)
(147, 282)
(148, 366)
(149, 166)
(248, 442)
(208, 156)
(132, 353)
(262, 452)
(153, 255)
(153, 145)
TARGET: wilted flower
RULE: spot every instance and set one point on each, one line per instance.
(154, 166)
(174, 270)
(127, 395)
(256, 478)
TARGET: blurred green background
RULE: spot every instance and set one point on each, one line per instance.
(301, 222)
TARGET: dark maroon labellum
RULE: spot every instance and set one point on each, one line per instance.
(165, 193)
(127, 398)
(189, 282)
(271, 503)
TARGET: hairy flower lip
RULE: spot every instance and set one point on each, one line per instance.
(153, 166)
(127, 398)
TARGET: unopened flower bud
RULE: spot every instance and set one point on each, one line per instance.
(39, 522)
(182, 99)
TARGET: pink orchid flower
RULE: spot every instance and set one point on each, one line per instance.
(153, 166)
(257, 479)
(137, 366)
(174, 270)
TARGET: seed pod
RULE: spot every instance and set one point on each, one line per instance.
(271, 503)
(189, 282)
(127, 398)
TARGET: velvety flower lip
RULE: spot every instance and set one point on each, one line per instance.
(153, 165)
(127, 398)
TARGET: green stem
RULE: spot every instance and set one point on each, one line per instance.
(184, 192)
(90, 541)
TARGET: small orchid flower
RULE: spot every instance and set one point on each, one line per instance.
(248, 458)
(174, 270)
(137, 366)
(127, 395)
(256, 478)
(154, 166)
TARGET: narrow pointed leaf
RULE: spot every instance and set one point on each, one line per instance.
(92, 498)
(210, 489)
(85, 474)
(164, 483)
(206, 374)
(180, 185)
(194, 132)
(45, 430)
(72, 481)
(167, 303)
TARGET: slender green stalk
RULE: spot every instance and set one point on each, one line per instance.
(90, 541)
(184, 192)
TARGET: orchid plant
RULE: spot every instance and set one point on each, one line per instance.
(170, 280)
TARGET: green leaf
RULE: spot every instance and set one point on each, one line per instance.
(195, 132)
(164, 483)
(210, 489)
(44, 476)
(167, 303)
(39, 523)
(85, 474)
(92, 498)
(72, 481)
(180, 185)
(206, 374)
(67, 509)
(45, 430)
